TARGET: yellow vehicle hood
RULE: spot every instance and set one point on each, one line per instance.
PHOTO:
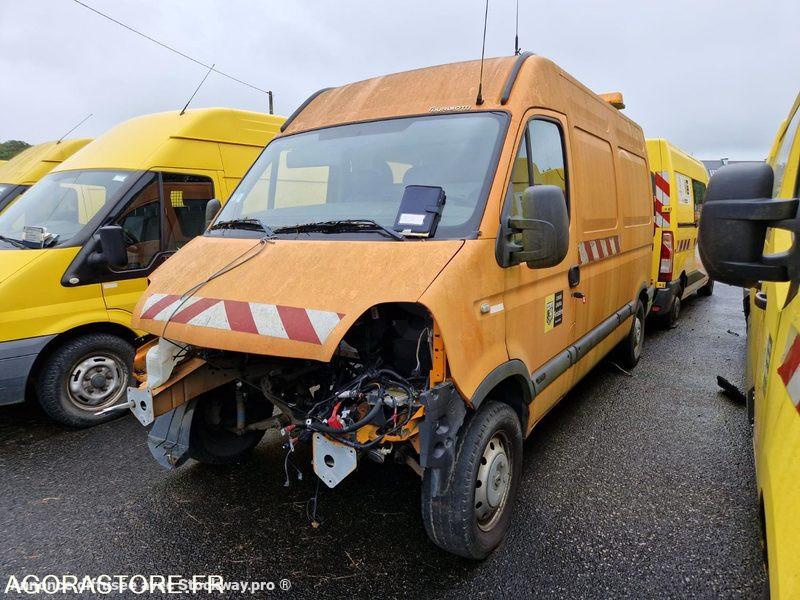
(12, 261)
(293, 298)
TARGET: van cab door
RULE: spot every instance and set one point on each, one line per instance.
(766, 303)
(774, 349)
(157, 220)
(540, 311)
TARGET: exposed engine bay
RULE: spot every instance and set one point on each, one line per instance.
(369, 400)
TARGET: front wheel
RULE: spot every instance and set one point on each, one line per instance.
(212, 438)
(83, 376)
(473, 514)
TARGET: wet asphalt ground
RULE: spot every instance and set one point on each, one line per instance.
(636, 487)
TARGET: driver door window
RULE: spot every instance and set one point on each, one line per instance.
(164, 215)
(539, 161)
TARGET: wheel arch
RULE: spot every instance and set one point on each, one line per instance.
(109, 327)
(509, 383)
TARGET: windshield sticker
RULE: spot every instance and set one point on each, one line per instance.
(553, 311)
(409, 219)
(120, 177)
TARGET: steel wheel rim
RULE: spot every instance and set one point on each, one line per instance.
(638, 336)
(96, 381)
(493, 481)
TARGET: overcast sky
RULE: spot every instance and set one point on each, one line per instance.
(714, 76)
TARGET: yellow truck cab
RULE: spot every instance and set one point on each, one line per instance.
(420, 267)
(30, 165)
(65, 306)
(749, 237)
(679, 187)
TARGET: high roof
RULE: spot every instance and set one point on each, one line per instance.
(454, 88)
(30, 165)
(147, 141)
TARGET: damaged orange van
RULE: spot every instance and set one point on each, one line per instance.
(414, 269)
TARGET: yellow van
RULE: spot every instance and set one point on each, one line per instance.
(413, 270)
(679, 187)
(30, 165)
(749, 237)
(65, 306)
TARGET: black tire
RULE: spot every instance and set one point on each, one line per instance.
(630, 349)
(452, 519)
(707, 289)
(210, 440)
(65, 379)
(669, 319)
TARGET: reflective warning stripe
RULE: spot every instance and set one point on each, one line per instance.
(594, 250)
(661, 198)
(271, 320)
(789, 371)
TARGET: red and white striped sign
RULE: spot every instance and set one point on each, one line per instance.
(272, 320)
(595, 250)
(686, 244)
(789, 371)
(661, 198)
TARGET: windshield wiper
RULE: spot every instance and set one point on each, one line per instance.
(341, 226)
(13, 242)
(252, 224)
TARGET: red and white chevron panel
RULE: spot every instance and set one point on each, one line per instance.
(272, 320)
(789, 371)
(684, 245)
(595, 250)
(661, 199)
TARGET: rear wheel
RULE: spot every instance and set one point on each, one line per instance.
(212, 439)
(83, 376)
(669, 319)
(630, 349)
(473, 514)
(707, 289)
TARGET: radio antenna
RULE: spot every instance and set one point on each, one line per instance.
(211, 68)
(86, 118)
(516, 33)
(479, 99)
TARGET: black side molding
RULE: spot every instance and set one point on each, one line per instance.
(512, 77)
(556, 366)
(302, 107)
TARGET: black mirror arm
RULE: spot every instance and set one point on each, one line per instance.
(762, 209)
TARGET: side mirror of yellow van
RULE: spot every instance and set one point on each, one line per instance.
(212, 208)
(544, 226)
(111, 250)
(737, 212)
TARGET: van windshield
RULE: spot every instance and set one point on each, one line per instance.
(63, 203)
(360, 171)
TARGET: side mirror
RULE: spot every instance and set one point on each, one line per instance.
(112, 250)
(544, 226)
(212, 208)
(737, 212)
